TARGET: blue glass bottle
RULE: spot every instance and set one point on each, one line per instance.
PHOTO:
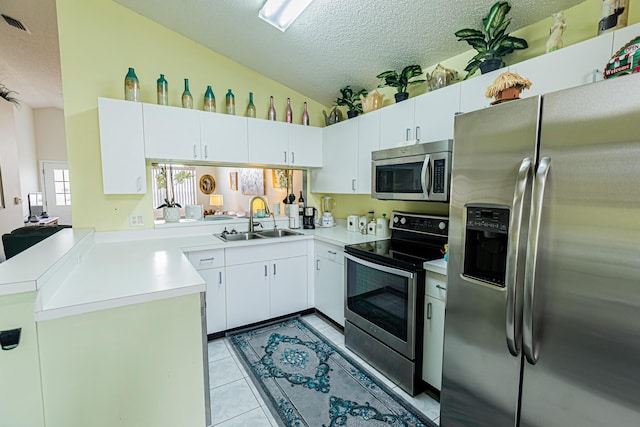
(131, 86)
(231, 102)
(251, 109)
(209, 100)
(187, 99)
(163, 90)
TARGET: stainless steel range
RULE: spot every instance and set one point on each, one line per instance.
(384, 307)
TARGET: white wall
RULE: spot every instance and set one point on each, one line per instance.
(11, 216)
(27, 154)
(51, 138)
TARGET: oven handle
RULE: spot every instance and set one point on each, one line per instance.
(426, 176)
(379, 267)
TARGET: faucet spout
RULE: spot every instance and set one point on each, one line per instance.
(251, 212)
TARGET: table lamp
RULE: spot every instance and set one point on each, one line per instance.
(216, 200)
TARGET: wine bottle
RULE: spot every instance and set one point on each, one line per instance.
(251, 109)
(305, 116)
(209, 100)
(231, 102)
(271, 115)
(162, 89)
(187, 99)
(300, 204)
(289, 112)
(131, 86)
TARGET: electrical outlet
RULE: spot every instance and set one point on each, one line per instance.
(136, 220)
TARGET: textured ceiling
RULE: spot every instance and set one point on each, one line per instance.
(332, 44)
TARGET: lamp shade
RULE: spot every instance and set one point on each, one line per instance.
(216, 200)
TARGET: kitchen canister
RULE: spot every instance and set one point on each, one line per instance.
(362, 223)
(352, 223)
(371, 228)
(382, 226)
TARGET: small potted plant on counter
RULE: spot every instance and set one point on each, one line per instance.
(492, 42)
(401, 81)
(351, 100)
(164, 180)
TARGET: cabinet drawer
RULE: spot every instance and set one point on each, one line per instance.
(436, 285)
(330, 252)
(259, 253)
(212, 258)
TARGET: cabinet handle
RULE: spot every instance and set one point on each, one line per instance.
(207, 259)
(139, 183)
(418, 133)
(408, 134)
(265, 270)
(293, 157)
(429, 311)
(332, 252)
(353, 184)
(317, 264)
(195, 155)
(441, 287)
(285, 157)
(274, 269)
(206, 152)
(220, 277)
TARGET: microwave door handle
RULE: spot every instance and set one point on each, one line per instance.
(515, 226)
(539, 185)
(426, 176)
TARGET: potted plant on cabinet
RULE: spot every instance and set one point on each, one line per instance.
(492, 42)
(165, 180)
(351, 100)
(401, 81)
(7, 95)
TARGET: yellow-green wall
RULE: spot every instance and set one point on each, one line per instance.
(99, 40)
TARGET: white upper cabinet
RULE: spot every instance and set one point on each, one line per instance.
(122, 147)
(223, 138)
(305, 146)
(368, 141)
(280, 143)
(397, 124)
(171, 133)
(340, 167)
(434, 113)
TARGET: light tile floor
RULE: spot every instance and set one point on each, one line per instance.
(236, 402)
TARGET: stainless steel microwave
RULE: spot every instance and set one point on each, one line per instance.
(412, 172)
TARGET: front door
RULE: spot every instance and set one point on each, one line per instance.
(57, 192)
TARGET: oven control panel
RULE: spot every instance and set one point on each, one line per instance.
(418, 223)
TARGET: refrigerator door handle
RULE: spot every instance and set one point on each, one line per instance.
(515, 225)
(425, 178)
(528, 340)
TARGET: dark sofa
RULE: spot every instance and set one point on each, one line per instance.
(23, 238)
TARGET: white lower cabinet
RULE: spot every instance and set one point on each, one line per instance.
(210, 266)
(434, 311)
(265, 281)
(329, 281)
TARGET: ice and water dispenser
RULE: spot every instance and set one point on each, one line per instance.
(485, 253)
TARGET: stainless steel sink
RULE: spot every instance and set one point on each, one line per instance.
(278, 233)
(238, 237)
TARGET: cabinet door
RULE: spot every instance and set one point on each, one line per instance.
(329, 289)
(305, 146)
(396, 124)
(433, 341)
(288, 285)
(268, 142)
(216, 299)
(122, 147)
(223, 138)
(434, 113)
(368, 141)
(171, 133)
(247, 294)
(340, 149)
(472, 91)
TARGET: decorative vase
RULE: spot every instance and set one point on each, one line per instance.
(372, 101)
(271, 115)
(401, 96)
(490, 65)
(231, 102)
(351, 114)
(305, 116)
(187, 99)
(209, 100)
(251, 109)
(289, 113)
(131, 86)
(162, 90)
(171, 214)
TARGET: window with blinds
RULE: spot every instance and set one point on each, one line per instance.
(183, 190)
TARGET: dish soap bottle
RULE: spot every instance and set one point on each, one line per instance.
(162, 88)
(131, 86)
(187, 99)
(209, 100)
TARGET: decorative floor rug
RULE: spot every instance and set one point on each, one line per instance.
(308, 382)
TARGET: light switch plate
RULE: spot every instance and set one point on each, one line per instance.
(136, 220)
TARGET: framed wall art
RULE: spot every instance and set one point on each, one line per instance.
(252, 182)
(233, 181)
(207, 184)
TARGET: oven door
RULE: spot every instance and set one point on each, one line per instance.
(384, 302)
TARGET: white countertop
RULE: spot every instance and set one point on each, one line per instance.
(81, 271)
(436, 266)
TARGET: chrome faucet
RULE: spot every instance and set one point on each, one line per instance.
(266, 210)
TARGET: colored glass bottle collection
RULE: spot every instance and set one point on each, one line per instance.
(162, 90)
(231, 102)
(209, 100)
(305, 116)
(251, 109)
(187, 99)
(289, 112)
(271, 114)
(131, 86)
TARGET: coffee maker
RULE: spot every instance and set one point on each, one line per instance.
(309, 218)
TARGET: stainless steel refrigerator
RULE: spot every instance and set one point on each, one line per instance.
(542, 323)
